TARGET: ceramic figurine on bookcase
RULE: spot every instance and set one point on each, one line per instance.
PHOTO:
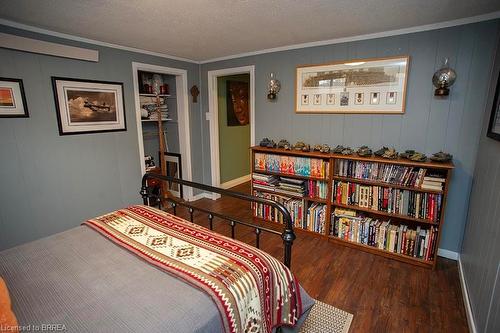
(363, 151)
(284, 144)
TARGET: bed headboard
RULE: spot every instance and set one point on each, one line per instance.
(287, 234)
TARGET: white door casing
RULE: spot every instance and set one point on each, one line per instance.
(182, 115)
(213, 115)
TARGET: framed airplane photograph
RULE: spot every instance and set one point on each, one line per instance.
(88, 106)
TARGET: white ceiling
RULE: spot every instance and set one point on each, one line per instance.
(207, 29)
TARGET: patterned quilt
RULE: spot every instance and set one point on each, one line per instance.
(253, 291)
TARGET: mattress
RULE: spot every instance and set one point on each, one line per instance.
(83, 281)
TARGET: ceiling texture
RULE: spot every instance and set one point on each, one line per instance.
(206, 29)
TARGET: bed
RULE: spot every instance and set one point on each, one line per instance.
(83, 281)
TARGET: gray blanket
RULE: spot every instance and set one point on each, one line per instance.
(83, 281)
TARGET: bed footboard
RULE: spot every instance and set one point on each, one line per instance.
(287, 235)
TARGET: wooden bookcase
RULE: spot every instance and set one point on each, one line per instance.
(330, 178)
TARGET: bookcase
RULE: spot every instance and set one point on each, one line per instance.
(394, 208)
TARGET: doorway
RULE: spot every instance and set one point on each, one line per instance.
(231, 131)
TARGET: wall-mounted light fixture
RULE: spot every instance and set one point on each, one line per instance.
(443, 79)
(274, 87)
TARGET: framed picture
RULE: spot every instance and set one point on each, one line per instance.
(354, 86)
(87, 106)
(12, 99)
(494, 125)
(237, 103)
(174, 169)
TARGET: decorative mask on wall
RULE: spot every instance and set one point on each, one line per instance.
(443, 79)
(195, 92)
(274, 87)
(237, 103)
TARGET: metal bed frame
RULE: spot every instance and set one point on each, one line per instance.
(287, 234)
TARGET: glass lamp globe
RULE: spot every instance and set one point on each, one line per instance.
(443, 79)
(274, 87)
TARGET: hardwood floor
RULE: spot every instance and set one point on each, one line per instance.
(384, 295)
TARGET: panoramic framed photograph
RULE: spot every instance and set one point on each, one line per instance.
(375, 85)
(12, 99)
(88, 106)
(494, 125)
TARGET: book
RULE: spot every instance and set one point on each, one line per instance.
(384, 235)
(294, 206)
(434, 182)
(391, 200)
(382, 172)
(432, 187)
(291, 165)
(316, 217)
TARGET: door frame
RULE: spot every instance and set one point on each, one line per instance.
(181, 82)
(213, 115)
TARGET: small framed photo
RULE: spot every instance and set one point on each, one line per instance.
(88, 106)
(330, 99)
(391, 97)
(494, 125)
(359, 99)
(305, 99)
(344, 99)
(375, 98)
(317, 99)
(12, 99)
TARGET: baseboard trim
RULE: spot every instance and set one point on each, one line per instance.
(201, 196)
(448, 254)
(235, 182)
(465, 295)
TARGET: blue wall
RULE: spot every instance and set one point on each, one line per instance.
(480, 257)
(50, 183)
(430, 124)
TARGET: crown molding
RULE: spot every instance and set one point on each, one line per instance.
(89, 41)
(420, 28)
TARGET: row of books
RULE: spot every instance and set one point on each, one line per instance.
(315, 219)
(417, 243)
(281, 185)
(291, 165)
(316, 189)
(269, 180)
(433, 182)
(396, 201)
(294, 206)
(289, 186)
(388, 173)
